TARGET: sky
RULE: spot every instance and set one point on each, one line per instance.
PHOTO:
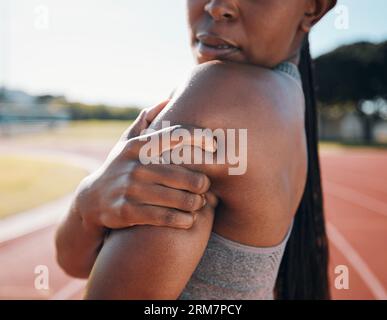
(125, 52)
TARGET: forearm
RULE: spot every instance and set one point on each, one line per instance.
(149, 262)
(78, 244)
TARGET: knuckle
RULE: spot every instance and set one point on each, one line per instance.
(192, 202)
(188, 201)
(125, 214)
(110, 219)
(141, 116)
(130, 147)
(170, 216)
(143, 113)
(136, 170)
(132, 189)
(198, 182)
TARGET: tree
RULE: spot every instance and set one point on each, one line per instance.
(356, 74)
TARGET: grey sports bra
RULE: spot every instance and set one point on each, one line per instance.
(229, 270)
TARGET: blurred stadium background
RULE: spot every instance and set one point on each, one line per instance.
(74, 75)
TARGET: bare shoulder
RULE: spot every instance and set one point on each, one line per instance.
(223, 94)
(256, 207)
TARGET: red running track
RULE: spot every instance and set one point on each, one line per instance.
(355, 198)
(355, 191)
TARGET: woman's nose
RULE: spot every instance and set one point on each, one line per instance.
(222, 10)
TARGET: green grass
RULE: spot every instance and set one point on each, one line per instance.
(81, 131)
(352, 145)
(94, 129)
(28, 182)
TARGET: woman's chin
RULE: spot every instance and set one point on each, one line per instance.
(202, 59)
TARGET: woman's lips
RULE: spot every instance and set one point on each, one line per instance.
(211, 52)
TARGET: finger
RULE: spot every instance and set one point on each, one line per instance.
(162, 216)
(135, 128)
(143, 120)
(210, 206)
(174, 176)
(158, 195)
(170, 137)
(152, 112)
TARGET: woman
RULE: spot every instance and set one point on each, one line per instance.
(247, 78)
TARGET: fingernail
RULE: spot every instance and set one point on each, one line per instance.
(204, 200)
(186, 220)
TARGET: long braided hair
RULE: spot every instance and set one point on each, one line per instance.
(303, 272)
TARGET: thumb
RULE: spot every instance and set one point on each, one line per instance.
(152, 112)
(143, 120)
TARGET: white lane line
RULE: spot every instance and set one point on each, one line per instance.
(85, 162)
(355, 197)
(50, 213)
(354, 258)
(33, 220)
(69, 290)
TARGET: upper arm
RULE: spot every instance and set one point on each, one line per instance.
(148, 262)
(156, 262)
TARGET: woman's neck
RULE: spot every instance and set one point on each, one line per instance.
(295, 58)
